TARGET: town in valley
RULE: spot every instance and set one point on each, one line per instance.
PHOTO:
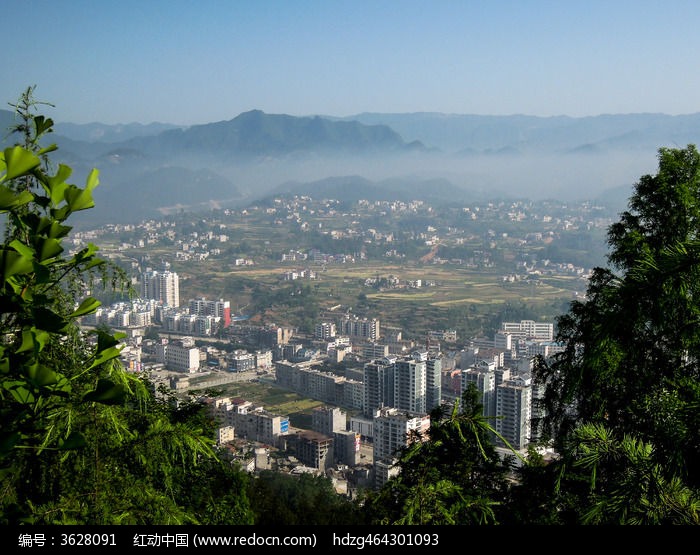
(322, 333)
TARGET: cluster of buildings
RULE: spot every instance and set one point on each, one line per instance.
(389, 386)
(308, 379)
(401, 392)
(160, 304)
(392, 396)
(183, 356)
(328, 443)
(331, 442)
(479, 225)
(389, 390)
(501, 370)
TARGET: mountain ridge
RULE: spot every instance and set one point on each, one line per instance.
(243, 159)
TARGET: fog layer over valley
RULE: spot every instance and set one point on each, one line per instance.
(452, 158)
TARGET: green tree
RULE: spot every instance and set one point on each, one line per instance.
(630, 368)
(281, 499)
(82, 440)
(452, 476)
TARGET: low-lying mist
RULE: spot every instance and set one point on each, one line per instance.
(564, 177)
(141, 189)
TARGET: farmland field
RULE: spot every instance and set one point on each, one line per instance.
(444, 289)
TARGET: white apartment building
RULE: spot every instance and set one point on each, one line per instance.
(410, 385)
(483, 376)
(325, 330)
(353, 394)
(219, 309)
(327, 420)
(544, 348)
(372, 351)
(241, 361)
(384, 471)
(184, 322)
(307, 379)
(355, 327)
(503, 340)
(161, 286)
(178, 355)
(433, 383)
(249, 421)
(513, 406)
(378, 379)
(392, 431)
(263, 359)
(529, 329)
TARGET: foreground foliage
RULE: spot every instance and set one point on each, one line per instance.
(622, 400)
(82, 441)
(451, 476)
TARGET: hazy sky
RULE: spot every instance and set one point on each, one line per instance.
(199, 61)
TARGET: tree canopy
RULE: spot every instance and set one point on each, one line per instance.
(82, 440)
(623, 398)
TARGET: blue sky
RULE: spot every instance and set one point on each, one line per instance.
(199, 61)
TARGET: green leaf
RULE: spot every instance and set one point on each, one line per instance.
(8, 441)
(42, 376)
(86, 257)
(60, 214)
(9, 199)
(19, 161)
(12, 263)
(94, 262)
(48, 320)
(88, 252)
(47, 149)
(19, 391)
(74, 441)
(57, 231)
(104, 356)
(105, 340)
(42, 275)
(51, 228)
(81, 199)
(107, 393)
(23, 249)
(48, 248)
(33, 340)
(42, 125)
(92, 180)
(88, 306)
(56, 185)
(18, 286)
(107, 347)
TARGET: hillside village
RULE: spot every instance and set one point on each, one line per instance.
(520, 239)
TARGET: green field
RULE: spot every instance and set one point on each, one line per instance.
(461, 297)
(457, 289)
(276, 400)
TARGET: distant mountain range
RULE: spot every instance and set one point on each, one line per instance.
(527, 134)
(153, 169)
